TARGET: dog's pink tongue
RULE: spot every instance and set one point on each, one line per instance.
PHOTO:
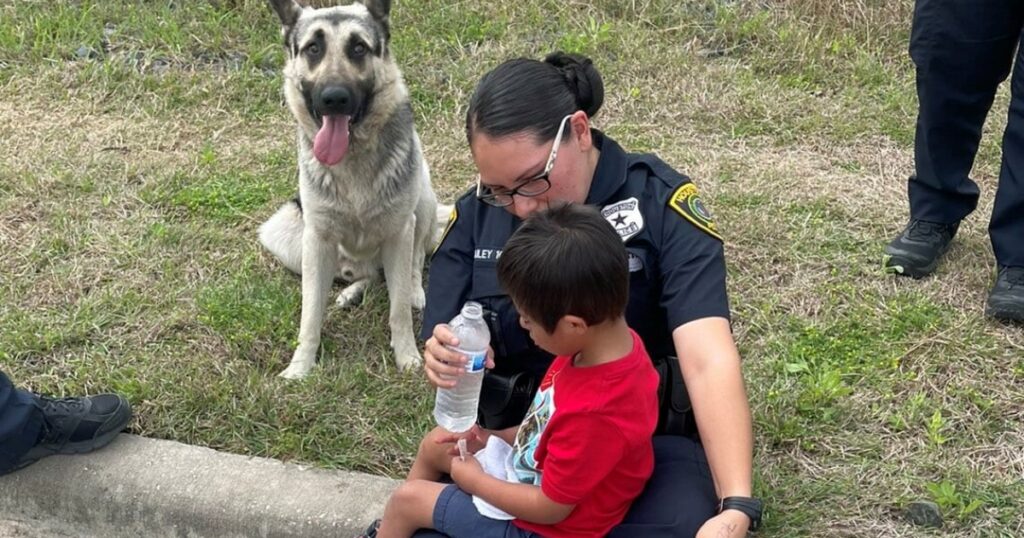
(331, 142)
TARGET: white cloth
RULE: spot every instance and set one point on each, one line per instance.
(496, 460)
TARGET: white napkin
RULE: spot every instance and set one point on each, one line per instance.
(495, 459)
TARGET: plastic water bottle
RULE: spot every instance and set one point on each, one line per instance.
(455, 408)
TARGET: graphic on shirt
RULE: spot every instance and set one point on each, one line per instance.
(625, 217)
(687, 203)
(524, 460)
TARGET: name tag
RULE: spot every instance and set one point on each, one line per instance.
(489, 254)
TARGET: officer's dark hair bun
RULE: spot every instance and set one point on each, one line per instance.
(531, 96)
(583, 79)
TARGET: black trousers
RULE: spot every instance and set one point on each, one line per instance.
(963, 50)
(20, 421)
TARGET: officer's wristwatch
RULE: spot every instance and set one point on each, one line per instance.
(748, 505)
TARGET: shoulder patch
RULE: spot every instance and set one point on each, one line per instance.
(452, 217)
(687, 203)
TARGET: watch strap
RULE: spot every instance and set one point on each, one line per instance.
(748, 505)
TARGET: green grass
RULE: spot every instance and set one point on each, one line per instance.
(145, 144)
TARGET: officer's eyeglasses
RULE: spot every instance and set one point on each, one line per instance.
(534, 186)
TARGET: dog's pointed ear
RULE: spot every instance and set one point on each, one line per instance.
(380, 9)
(287, 10)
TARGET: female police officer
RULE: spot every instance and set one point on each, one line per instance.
(528, 126)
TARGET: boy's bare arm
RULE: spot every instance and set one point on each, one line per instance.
(524, 501)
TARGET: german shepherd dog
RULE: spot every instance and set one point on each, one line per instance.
(365, 199)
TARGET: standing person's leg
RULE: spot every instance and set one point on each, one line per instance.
(679, 497)
(962, 50)
(20, 424)
(1006, 228)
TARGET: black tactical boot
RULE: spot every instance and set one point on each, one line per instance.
(1006, 302)
(916, 251)
(77, 425)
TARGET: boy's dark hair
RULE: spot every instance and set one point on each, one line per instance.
(566, 261)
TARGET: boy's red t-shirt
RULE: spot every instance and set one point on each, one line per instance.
(586, 440)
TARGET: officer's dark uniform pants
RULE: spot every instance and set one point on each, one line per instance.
(20, 422)
(962, 50)
(678, 499)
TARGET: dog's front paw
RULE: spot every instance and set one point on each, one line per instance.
(295, 371)
(408, 361)
(352, 294)
(299, 367)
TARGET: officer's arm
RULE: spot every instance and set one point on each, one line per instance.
(711, 369)
(694, 297)
(710, 365)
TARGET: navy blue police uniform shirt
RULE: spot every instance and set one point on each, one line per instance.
(676, 259)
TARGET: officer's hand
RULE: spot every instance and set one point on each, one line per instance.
(728, 524)
(443, 366)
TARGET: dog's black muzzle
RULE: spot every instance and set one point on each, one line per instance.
(336, 100)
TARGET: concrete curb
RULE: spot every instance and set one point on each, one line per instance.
(149, 487)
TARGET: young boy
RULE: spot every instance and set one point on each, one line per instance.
(584, 452)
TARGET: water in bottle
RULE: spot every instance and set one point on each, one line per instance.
(455, 408)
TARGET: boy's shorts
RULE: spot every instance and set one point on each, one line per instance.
(456, 515)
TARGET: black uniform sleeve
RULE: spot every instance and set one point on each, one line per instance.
(692, 266)
(450, 273)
